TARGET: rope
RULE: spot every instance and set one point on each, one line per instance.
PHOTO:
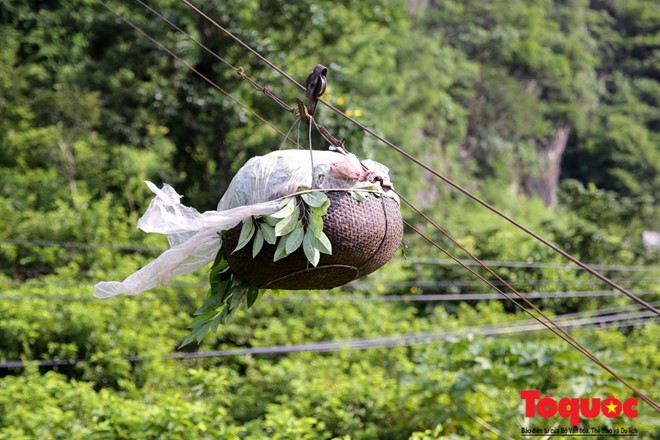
(498, 212)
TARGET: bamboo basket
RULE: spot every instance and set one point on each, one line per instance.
(364, 236)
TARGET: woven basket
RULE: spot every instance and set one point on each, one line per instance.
(364, 236)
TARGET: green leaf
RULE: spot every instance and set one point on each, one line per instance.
(247, 231)
(207, 317)
(187, 340)
(315, 223)
(271, 221)
(252, 295)
(218, 286)
(202, 318)
(360, 196)
(220, 289)
(268, 232)
(235, 301)
(216, 322)
(313, 255)
(213, 296)
(322, 243)
(286, 225)
(220, 278)
(314, 199)
(226, 289)
(280, 251)
(287, 209)
(285, 201)
(295, 239)
(220, 265)
(258, 243)
(196, 335)
(260, 294)
(323, 209)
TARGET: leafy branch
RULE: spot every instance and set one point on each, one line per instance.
(222, 300)
(298, 222)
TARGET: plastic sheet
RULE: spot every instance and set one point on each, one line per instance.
(255, 190)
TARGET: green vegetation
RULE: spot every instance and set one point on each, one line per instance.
(298, 222)
(547, 109)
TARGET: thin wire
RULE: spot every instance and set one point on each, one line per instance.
(429, 168)
(492, 272)
(239, 70)
(239, 41)
(586, 313)
(358, 299)
(411, 339)
(321, 133)
(190, 37)
(189, 66)
(451, 297)
(455, 283)
(554, 328)
(410, 260)
(354, 284)
(296, 122)
(536, 265)
(337, 144)
(71, 244)
(311, 151)
(588, 282)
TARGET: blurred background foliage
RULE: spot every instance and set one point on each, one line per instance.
(547, 109)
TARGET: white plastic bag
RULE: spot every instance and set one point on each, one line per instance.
(255, 190)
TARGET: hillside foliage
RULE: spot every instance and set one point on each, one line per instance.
(549, 110)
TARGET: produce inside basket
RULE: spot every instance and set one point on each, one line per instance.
(291, 219)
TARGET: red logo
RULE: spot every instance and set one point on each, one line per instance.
(573, 408)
